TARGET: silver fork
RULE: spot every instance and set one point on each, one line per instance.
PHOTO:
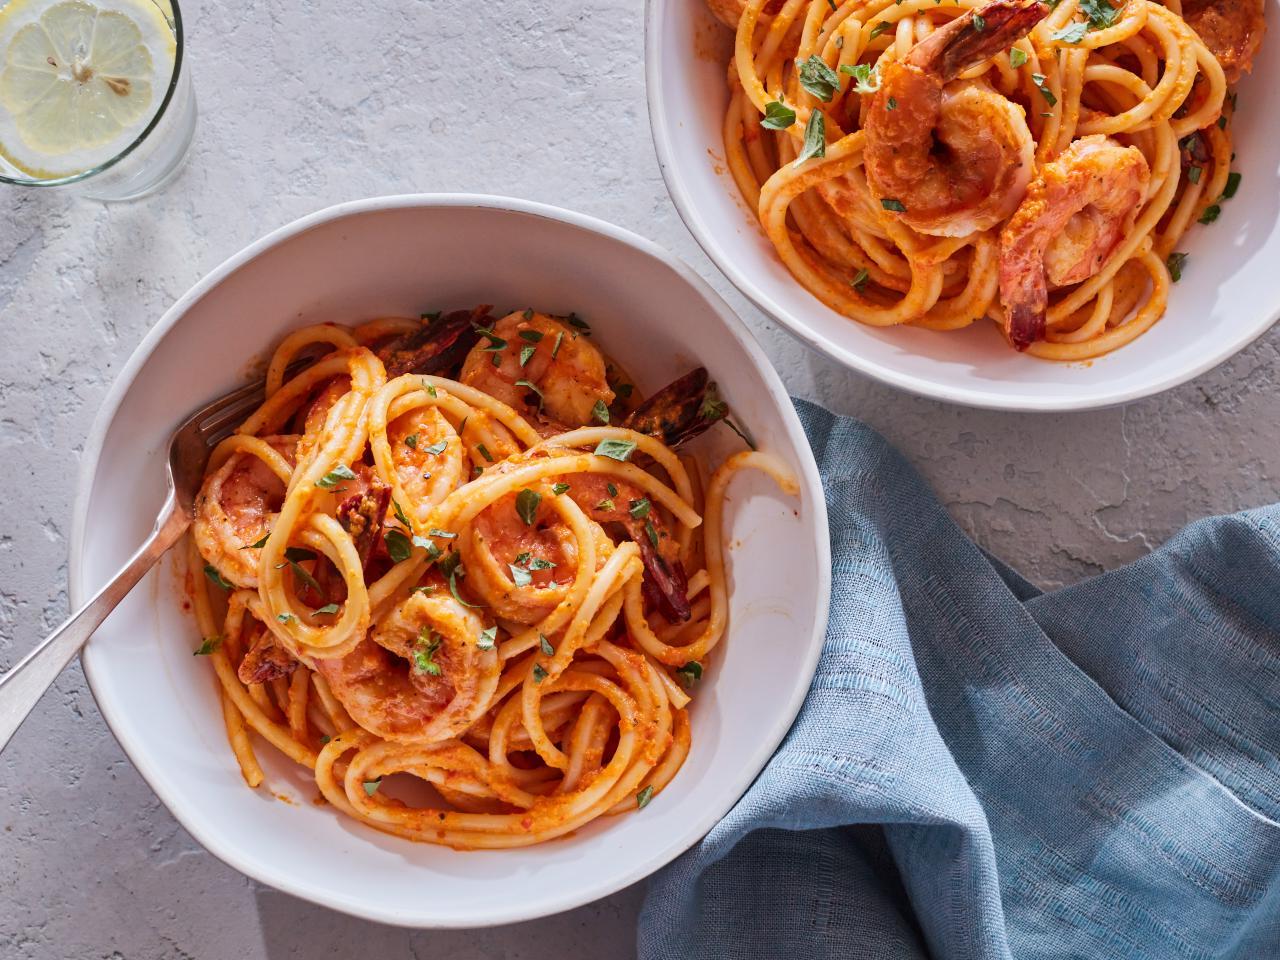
(189, 448)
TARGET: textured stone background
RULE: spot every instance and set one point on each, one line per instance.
(308, 103)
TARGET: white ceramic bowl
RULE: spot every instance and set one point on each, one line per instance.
(405, 255)
(1229, 293)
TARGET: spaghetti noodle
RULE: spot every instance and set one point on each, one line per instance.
(934, 162)
(470, 574)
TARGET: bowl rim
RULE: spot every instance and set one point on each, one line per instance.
(519, 909)
(1096, 398)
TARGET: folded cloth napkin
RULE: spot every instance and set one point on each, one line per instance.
(983, 770)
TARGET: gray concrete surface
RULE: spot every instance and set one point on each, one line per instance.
(305, 104)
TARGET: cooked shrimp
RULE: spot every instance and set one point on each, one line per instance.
(955, 157)
(544, 368)
(234, 510)
(1074, 216)
(421, 674)
(427, 456)
(1231, 29)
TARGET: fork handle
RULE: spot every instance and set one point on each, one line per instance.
(23, 686)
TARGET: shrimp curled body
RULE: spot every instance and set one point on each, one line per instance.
(951, 157)
(1074, 216)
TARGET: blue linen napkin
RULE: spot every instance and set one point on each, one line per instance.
(982, 770)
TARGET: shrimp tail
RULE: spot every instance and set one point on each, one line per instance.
(1024, 325)
(438, 347)
(362, 516)
(266, 660)
(665, 585)
(680, 411)
(974, 38)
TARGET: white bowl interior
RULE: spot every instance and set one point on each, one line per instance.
(398, 257)
(1226, 298)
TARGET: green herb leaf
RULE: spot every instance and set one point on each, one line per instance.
(578, 323)
(1210, 214)
(777, 116)
(1101, 14)
(555, 348)
(643, 797)
(431, 389)
(519, 575)
(539, 673)
(437, 448)
(815, 138)
(605, 505)
(979, 23)
(533, 387)
(335, 476)
(712, 407)
(371, 786)
(1039, 80)
(613, 490)
(400, 514)
(1017, 57)
(1232, 185)
(298, 554)
(411, 441)
(399, 546)
(531, 336)
(891, 203)
(484, 452)
(526, 354)
(619, 450)
(560, 488)
(1193, 174)
(866, 78)
(818, 78)
(1071, 33)
(651, 533)
(286, 617)
(258, 545)
(891, 104)
(527, 505)
(1175, 262)
(639, 508)
(487, 638)
(689, 674)
(328, 608)
(600, 412)
(859, 280)
(545, 646)
(884, 26)
(217, 578)
(210, 644)
(424, 652)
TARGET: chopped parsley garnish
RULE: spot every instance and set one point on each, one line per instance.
(442, 533)
(860, 278)
(259, 544)
(371, 786)
(400, 514)
(399, 547)
(606, 505)
(1017, 57)
(619, 450)
(818, 78)
(539, 673)
(533, 388)
(286, 617)
(600, 411)
(1193, 174)
(979, 22)
(815, 138)
(210, 644)
(425, 651)
(430, 388)
(519, 575)
(528, 313)
(545, 646)
(292, 556)
(555, 348)
(527, 505)
(1100, 13)
(892, 104)
(328, 608)
(436, 448)
(484, 452)
(1232, 185)
(1210, 214)
(712, 407)
(560, 488)
(884, 26)
(689, 674)
(487, 638)
(1039, 80)
(526, 354)
(411, 441)
(650, 532)
(639, 508)
(894, 204)
(217, 578)
(496, 343)
(531, 336)
(1175, 262)
(335, 476)
(578, 323)
(613, 490)
(777, 116)
(643, 797)
(866, 78)
(1071, 33)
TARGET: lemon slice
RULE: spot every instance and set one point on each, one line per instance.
(79, 80)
